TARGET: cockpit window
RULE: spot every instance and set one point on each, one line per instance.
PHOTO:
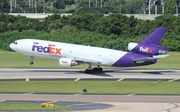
(15, 43)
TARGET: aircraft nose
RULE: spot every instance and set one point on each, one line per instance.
(11, 46)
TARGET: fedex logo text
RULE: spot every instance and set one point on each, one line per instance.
(65, 62)
(51, 48)
(145, 50)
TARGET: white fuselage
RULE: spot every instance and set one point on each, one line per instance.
(57, 50)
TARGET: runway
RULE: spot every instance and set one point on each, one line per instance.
(93, 98)
(120, 103)
(124, 74)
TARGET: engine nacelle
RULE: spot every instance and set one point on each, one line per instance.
(67, 62)
(132, 45)
(147, 49)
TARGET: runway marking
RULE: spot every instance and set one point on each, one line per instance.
(29, 93)
(2, 100)
(173, 80)
(79, 104)
(77, 79)
(27, 79)
(130, 94)
(49, 102)
(176, 106)
(120, 79)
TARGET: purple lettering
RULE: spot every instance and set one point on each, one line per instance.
(34, 46)
(51, 49)
(46, 49)
(39, 48)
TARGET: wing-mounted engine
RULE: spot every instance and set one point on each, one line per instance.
(67, 62)
(147, 49)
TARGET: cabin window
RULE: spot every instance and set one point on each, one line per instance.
(15, 43)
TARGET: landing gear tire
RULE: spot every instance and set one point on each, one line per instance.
(94, 70)
(99, 69)
(31, 62)
(89, 71)
(86, 71)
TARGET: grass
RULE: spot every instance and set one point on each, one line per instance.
(16, 60)
(2, 50)
(16, 106)
(93, 87)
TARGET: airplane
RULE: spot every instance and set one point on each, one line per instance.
(146, 52)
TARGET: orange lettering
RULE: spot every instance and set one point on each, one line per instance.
(51, 49)
(58, 51)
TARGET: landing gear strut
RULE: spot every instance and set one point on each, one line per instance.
(31, 58)
(96, 69)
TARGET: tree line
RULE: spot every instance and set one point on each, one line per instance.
(91, 6)
(114, 31)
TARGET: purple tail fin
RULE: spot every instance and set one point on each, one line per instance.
(155, 37)
(149, 46)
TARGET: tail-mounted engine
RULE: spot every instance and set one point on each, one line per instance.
(147, 49)
(67, 62)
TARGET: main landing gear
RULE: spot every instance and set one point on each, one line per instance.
(31, 58)
(96, 69)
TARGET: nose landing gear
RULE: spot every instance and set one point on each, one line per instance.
(31, 58)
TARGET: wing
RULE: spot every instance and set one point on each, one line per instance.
(94, 61)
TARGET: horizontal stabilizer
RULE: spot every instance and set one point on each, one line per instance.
(142, 60)
(160, 56)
